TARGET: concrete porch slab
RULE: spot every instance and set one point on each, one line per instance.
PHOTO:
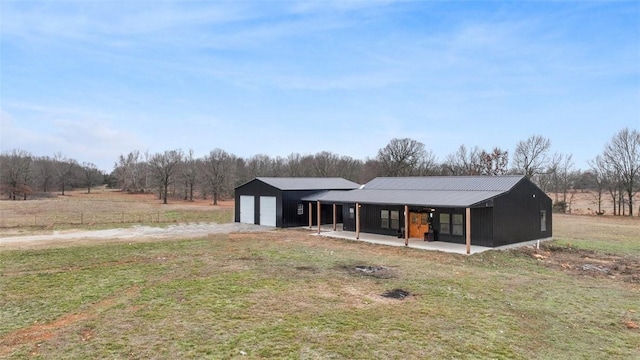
(415, 243)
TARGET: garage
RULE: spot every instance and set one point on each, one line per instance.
(277, 201)
(268, 210)
(247, 212)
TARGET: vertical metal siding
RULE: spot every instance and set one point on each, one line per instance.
(370, 220)
(257, 188)
(517, 214)
(482, 226)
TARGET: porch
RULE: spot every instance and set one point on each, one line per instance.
(416, 243)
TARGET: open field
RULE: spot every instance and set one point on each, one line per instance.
(285, 294)
(105, 208)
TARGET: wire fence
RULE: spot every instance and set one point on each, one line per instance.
(123, 217)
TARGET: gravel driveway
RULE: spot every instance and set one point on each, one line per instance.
(137, 232)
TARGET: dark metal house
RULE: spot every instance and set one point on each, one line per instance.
(277, 201)
(480, 210)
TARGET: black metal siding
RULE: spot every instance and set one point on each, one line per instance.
(370, 219)
(257, 188)
(457, 239)
(290, 202)
(482, 226)
(286, 205)
(517, 215)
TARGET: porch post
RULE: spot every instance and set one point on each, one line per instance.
(335, 217)
(357, 221)
(468, 229)
(406, 225)
(310, 215)
(318, 216)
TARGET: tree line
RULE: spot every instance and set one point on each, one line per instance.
(177, 174)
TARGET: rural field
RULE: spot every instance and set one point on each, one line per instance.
(287, 294)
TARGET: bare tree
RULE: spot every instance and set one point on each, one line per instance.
(600, 173)
(495, 162)
(189, 174)
(530, 157)
(15, 167)
(294, 165)
(401, 157)
(623, 154)
(464, 162)
(130, 171)
(44, 172)
(218, 171)
(66, 170)
(564, 174)
(551, 175)
(260, 165)
(164, 167)
(427, 165)
(349, 168)
(90, 175)
(325, 164)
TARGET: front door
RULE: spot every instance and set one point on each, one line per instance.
(418, 224)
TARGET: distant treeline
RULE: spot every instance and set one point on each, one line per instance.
(179, 175)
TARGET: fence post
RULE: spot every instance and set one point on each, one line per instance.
(158, 217)
(81, 218)
(35, 219)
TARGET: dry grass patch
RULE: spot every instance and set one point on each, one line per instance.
(285, 294)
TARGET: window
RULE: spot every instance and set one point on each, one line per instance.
(444, 224)
(543, 220)
(395, 220)
(384, 219)
(352, 213)
(300, 209)
(457, 227)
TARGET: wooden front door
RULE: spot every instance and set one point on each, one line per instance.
(418, 224)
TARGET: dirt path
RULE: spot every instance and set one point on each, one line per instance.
(134, 232)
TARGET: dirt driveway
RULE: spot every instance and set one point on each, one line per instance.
(125, 234)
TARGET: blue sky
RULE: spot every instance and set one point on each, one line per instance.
(96, 79)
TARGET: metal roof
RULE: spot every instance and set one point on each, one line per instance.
(439, 191)
(450, 183)
(309, 183)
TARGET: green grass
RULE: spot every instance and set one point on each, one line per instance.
(618, 235)
(287, 295)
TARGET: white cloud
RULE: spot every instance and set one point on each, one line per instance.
(85, 140)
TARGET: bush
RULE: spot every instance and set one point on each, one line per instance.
(560, 207)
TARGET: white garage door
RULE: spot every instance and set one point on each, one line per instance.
(268, 210)
(247, 209)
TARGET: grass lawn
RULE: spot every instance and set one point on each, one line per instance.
(284, 294)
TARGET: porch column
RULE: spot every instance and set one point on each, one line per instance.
(406, 225)
(357, 221)
(468, 229)
(335, 217)
(310, 215)
(318, 216)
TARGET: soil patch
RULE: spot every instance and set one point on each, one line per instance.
(376, 271)
(586, 262)
(396, 294)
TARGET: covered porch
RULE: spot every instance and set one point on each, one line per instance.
(412, 223)
(415, 243)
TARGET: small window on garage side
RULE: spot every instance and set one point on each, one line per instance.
(543, 220)
(444, 224)
(384, 219)
(300, 209)
(352, 213)
(395, 220)
(457, 226)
